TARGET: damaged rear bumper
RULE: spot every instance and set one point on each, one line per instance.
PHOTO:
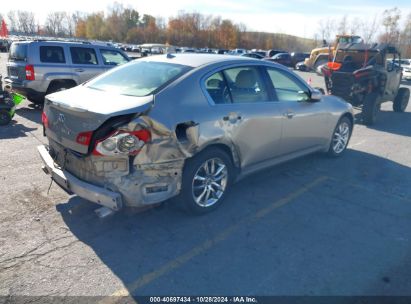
(70, 183)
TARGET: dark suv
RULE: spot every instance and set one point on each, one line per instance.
(38, 68)
(4, 45)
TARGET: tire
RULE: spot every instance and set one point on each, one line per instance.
(371, 108)
(341, 137)
(59, 86)
(300, 68)
(401, 100)
(200, 196)
(36, 101)
(5, 117)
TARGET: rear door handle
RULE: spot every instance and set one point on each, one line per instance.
(79, 70)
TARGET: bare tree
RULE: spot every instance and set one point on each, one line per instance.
(390, 21)
(26, 21)
(342, 27)
(327, 29)
(354, 26)
(369, 29)
(55, 23)
(11, 15)
(405, 38)
(70, 24)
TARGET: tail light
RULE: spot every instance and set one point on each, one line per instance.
(122, 143)
(30, 72)
(44, 119)
(84, 138)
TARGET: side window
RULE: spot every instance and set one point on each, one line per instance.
(217, 88)
(246, 85)
(80, 55)
(286, 88)
(52, 54)
(111, 57)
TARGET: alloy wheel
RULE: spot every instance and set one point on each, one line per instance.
(209, 182)
(341, 137)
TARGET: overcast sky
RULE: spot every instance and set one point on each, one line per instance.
(296, 17)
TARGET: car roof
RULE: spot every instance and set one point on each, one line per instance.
(59, 42)
(196, 60)
(366, 47)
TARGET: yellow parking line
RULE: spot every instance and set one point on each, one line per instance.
(182, 259)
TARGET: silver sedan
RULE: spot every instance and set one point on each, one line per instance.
(186, 125)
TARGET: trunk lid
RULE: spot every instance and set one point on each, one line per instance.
(82, 109)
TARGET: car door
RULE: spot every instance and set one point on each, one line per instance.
(85, 63)
(249, 118)
(304, 121)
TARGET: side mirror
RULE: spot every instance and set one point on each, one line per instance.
(316, 95)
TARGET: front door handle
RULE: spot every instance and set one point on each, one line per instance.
(79, 70)
(289, 114)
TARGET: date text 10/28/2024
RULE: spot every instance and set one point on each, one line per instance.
(205, 299)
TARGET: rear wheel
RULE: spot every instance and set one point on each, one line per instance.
(341, 137)
(5, 117)
(36, 101)
(59, 86)
(206, 180)
(371, 108)
(401, 100)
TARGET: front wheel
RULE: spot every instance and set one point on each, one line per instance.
(401, 100)
(206, 180)
(341, 137)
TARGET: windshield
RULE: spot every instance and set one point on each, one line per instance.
(18, 52)
(138, 78)
(354, 39)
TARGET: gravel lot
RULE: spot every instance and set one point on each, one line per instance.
(314, 226)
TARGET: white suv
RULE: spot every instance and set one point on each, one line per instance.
(406, 69)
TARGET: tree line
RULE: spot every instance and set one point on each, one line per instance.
(389, 27)
(124, 24)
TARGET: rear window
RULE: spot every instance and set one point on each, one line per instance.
(139, 78)
(52, 54)
(18, 52)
